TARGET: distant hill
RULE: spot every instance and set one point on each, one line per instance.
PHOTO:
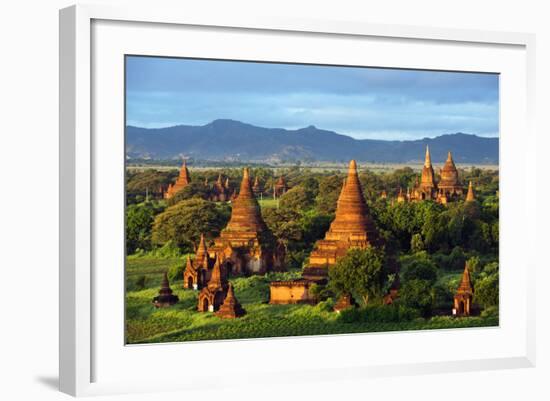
(234, 140)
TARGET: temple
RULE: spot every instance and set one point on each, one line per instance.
(280, 187)
(183, 180)
(448, 189)
(449, 186)
(352, 227)
(220, 191)
(197, 271)
(246, 246)
(464, 295)
(427, 188)
(213, 294)
(165, 297)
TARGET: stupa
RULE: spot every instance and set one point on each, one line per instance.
(427, 188)
(246, 245)
(352, 227)
(183, 180)
(165, 297)
(449, 185)
(464, 294)
(231, 308)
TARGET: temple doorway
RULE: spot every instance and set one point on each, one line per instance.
(189, 282)
(205, 305)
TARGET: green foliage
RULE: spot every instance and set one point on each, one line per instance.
(148, 182)
(417, 294)
(417, 244)
(184, 222)
(139, 220)
(379, 314)
(418, 267)
(360, 273)
(329, 190)
(298, 199)
(486, 290)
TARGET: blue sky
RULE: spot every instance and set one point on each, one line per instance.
(360, 102)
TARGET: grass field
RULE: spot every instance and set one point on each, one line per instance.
(268, 203)
(145, 324)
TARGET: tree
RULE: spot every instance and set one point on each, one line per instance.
(184, 222)
(139, 219)
(297, 198)
(417, 244)
(359, 273)
(329, 190)
(486, 290)
(417, 294)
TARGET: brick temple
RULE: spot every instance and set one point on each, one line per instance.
(183, 180)
(197, 272)
(246, 246)
(352, 227)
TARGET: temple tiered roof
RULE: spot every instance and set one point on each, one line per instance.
(465, 286)
(427, 180)
(449, 173)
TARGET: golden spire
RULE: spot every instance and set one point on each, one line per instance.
(217, 280)
(202, 251)
(428, 159)
(465, 286)
(470, 197)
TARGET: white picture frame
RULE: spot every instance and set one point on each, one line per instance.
(84, 355)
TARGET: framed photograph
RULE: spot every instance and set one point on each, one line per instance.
(303, 200)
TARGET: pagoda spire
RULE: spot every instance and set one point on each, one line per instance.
(217, 280)
(231, 308)
(351, 208)
(470, 197)
(465, 286)
(428, 159)
(165, 297)
(245, 213)
(202, 251)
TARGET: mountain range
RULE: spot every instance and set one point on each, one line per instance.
(232, 140)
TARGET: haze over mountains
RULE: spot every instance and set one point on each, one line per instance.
(233, 140)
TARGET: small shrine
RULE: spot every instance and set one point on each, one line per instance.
(213, 294)
(464, 295)
(280, 187)
(345, 301)
(197, 271)
(449, 186)
(231, 308)
(220, 191)
(166, 297)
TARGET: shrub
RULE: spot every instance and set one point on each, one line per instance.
(490, 312)
(349, 315)
(326, 306)
(486, 291)
(175, 272)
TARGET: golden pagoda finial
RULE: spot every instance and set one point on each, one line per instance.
(428, 159)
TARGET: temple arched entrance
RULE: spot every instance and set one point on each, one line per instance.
(189, 282)
(205, 305)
